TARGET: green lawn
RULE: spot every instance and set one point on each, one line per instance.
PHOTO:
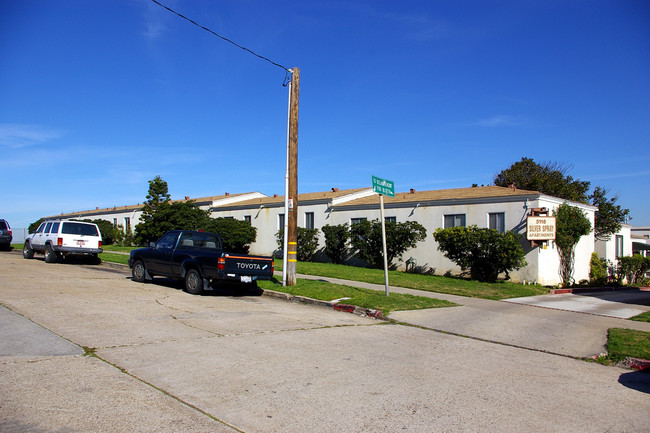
(429, 283)
(643, 317)
(114, 258)
(365, 298)
(118, 248)
(623, 343)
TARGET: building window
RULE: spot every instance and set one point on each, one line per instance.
(247, 218)
(114, 222)
(309, 220)
(281, 221)
(619, 246)
(456, 220)
(497, 221)
(127, 224)
(357, 220)
(390, 219)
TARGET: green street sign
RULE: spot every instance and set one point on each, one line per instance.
(383, 186)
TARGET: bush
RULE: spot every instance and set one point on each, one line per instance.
(633, 268)
(366, 239)
(597, 270)
(484, 252)
(122, 237)
(336, 242)
(307, 243)
(237, 235)
(107, 230)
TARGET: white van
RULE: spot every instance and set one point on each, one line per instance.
(57, 238)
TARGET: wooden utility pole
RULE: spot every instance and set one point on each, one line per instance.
(292, 229)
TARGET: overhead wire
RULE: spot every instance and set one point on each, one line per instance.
(288, 72)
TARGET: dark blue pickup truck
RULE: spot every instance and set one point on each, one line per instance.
(199, 259)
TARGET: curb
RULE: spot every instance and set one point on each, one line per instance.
(577, 290)
(367, 312)
(636, 364)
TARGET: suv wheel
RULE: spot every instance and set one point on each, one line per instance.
(28, 252)
(50, 255)
(193, 282)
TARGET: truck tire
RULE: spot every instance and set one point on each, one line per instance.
(50, 255)
(28, 252)
(139, 272)
(193, 282)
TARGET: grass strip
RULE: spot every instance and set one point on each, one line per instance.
(624, 343)
(118, 248)
(364, 298)
(643, 317)
(114, 258)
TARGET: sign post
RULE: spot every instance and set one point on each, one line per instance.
(383, 187)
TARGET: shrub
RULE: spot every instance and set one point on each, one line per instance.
(366, 239)
(484, 252)
(633, 268)
(122, 237)
(597, 270)
(336, 241)
(237, 235)
(307, 243)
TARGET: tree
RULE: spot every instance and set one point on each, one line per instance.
(336, 241)
(366, 239)
(548, 178)
(551, 178)
(176, 216)
(571, 224)
(609, 216)
(34, 226)
(157, 196)
(484, 252)
(237, 235)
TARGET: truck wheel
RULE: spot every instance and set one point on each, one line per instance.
(139, 272)
(50, 255)
(28, 252)
(193, 282)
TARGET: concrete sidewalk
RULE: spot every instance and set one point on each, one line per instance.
(541, 326)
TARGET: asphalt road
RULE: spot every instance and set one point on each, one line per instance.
(168, 361)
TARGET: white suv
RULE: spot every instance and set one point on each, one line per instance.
(62, 238)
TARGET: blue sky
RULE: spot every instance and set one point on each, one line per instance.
(98, 97)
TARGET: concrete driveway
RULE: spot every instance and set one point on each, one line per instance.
(168, 361)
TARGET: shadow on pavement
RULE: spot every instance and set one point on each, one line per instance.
(634, 296)
(233, 289)
(637, 380)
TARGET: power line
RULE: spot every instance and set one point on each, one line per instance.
(287, 70)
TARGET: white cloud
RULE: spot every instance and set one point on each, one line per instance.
(17, 136)
(496, 121)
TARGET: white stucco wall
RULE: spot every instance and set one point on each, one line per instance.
(607, 249)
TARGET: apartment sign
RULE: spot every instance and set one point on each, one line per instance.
(540, 228)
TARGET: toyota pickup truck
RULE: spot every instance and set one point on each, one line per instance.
(197, 258)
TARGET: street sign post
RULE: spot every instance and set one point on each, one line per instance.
(383, 187)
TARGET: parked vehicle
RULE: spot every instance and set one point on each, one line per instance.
(59, 239)
(5, 234)
(199, 259)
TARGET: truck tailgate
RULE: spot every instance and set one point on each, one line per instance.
(257, 267)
